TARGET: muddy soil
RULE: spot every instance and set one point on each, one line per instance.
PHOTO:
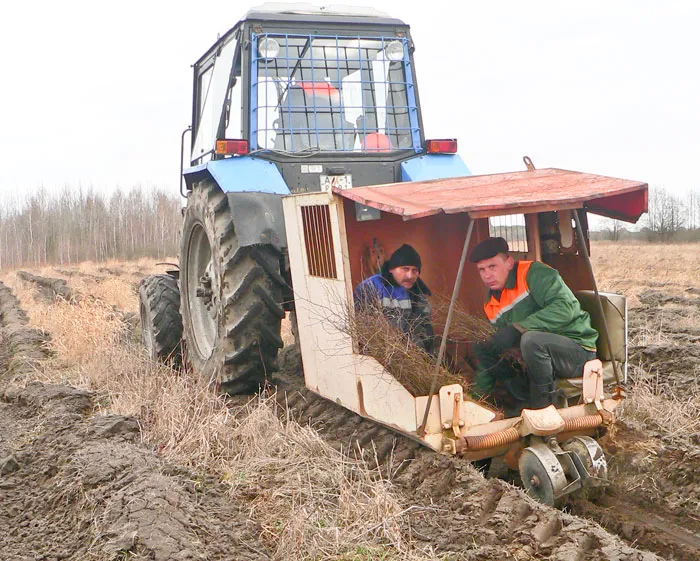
(48, 289)
(76, 485)
(454, 508)
(654, 499)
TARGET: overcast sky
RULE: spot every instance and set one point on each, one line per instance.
(97, 93)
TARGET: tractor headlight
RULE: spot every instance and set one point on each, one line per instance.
(268, 48)
(394, 51)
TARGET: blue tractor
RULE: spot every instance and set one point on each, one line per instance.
(293, 99)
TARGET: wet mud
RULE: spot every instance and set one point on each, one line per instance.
(453, 508)
(654, 499)
(78, 485)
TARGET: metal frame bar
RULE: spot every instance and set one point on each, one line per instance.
(446, 331)
(583, 250)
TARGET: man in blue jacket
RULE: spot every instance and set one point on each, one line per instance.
(401, 295)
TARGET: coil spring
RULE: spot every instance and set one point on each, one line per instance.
(582, 423)
(512, 434)
(492, 440)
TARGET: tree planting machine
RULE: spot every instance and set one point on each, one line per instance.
(307, 153)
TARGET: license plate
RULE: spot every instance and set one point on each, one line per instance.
(329, 182)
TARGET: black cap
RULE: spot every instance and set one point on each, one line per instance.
(405, 256)
(488, 248)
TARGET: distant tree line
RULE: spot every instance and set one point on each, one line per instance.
(670, 218)
(78, 225)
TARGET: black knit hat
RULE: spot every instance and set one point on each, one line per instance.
(488, 248)
(405, 256)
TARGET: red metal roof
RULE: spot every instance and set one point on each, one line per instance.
(508, 193)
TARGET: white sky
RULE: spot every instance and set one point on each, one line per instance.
(97, 93)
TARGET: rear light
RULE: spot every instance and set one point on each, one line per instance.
(232, 147)
(445, 146)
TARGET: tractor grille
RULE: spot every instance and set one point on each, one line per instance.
(332, 94)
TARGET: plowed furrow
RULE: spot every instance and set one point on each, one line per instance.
(453, 507)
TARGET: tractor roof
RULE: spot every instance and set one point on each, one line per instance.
(299, 13)
(508, 193)
(332, 13)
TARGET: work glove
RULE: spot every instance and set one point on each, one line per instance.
(504, 339)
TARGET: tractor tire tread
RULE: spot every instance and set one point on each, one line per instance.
(159, 297)
(245, 343)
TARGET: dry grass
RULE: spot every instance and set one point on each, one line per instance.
(633, 267)
(410, 365)
(311, 501)
(464, 327)
(653, 404)
(114, 282)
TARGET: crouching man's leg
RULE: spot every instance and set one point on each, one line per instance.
(546, 357)
(493, 367)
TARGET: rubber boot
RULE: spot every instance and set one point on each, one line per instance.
(518, 387)
(514, 408)
(541, 395)
(560, 400)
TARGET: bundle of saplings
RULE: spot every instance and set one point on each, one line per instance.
(393, 349)
(464, 327)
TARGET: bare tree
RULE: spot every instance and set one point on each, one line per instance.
(77, 225)
(666, 215)
(693, 210)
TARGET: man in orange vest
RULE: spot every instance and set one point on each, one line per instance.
(536, 313)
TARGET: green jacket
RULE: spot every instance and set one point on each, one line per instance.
(536, 299)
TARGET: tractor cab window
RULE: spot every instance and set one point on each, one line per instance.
(332, 94)
(217, 109)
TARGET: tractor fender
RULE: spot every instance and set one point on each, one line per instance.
(254, 188)
(433, 166)
(239, 174)
(258, 218)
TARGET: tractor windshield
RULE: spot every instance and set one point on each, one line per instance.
(328, 93)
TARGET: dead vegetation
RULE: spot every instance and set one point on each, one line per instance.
(464, 327)
(311, 501)
(654, 452)
(655, 405)
(413, 367)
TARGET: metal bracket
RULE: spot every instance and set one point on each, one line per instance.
(456, 423)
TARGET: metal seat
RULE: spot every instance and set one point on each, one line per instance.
(615, 310)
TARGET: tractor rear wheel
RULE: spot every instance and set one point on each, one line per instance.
(230, 296)
(161, 324)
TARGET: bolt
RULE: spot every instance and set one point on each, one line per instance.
(202, 292)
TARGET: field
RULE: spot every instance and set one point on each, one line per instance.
(106, 455)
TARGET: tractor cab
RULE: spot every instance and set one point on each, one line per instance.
(320, 93)
(543, 215)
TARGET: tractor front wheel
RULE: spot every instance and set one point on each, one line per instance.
(230, 296)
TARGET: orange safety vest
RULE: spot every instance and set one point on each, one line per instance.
(510, 297)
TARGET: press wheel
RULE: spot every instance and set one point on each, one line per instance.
(593, 459)
(541, 474)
